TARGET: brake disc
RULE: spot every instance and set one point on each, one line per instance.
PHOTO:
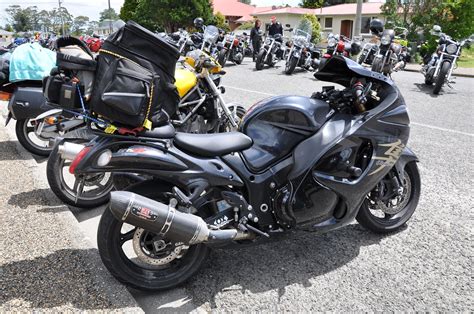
(152, 250)
(396, 204)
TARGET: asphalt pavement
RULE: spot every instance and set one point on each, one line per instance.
(425, 267)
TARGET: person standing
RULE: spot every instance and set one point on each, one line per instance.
(275, 27)
(256, 38)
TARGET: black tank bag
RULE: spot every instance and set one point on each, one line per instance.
(134, 83)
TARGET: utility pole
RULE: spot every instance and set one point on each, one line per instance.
(61, 15)
(358, 21)
(110, 21)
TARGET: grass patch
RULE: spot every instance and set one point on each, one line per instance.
(467, 58)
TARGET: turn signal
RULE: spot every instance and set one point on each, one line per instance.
(5, 96)
(79, 157)
(50, 120)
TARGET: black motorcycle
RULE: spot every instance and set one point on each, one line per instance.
(298, 163)
(230, 49)
(271, 52)
(392, 55)
(439, 67)
(37, 123)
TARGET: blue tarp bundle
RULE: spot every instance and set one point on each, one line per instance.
(31, 62)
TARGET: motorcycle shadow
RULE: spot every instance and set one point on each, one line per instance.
(5, 147)
(427, 89)
(67, 277)
(273, 266)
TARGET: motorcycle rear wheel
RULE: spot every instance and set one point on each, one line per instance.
(23, 130)
(140, 266)
(369, 212)
(260, 60)
(55, 170)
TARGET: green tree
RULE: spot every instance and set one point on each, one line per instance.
(178, 13)
(59, 17)
(316, 27)
(20, 19)
(91, 26)
(219, 21)
(108, 14)
(79, 24)
(312, 4)
(127, 11)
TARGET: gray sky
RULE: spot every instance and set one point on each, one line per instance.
(91, 8)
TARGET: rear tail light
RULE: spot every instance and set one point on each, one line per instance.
(79, 157)
(5, 96)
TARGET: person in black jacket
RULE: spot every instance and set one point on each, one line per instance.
(256, 38)
(275, 28)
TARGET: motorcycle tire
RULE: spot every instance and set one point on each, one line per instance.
(290, 65)
(227, 127)
(392, 223)
(361, 58)
(222, 57)
(239, 60)
(22, 130)
(443, 72)
(57, 183)
(269, 60)
(138, 273)
(259, 64)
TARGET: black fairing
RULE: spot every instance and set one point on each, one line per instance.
(278, 124)
(341, 70)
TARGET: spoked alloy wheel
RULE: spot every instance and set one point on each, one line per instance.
(26, 133)
(144, 260)
(384, 215)
(95, 187)
(226, 126)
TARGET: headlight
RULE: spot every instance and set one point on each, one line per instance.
(332, 42)
(451, 49)
(385, 40)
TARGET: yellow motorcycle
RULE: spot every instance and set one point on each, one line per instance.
(202, 108)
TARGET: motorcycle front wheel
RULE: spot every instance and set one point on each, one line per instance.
(25, 132)
(144, 260)
(377, 65)
(96, 189)
(222, 57)
(386, 215)
(260, 60)
(290, 65)
(443, 72)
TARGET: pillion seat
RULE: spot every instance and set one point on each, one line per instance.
(210, 145)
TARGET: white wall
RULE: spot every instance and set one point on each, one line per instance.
(336, 23)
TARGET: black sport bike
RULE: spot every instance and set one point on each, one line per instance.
(305, 163)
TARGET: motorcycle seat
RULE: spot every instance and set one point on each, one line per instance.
(165, 132)
(211, 145)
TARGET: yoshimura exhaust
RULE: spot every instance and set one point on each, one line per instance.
(166, 221)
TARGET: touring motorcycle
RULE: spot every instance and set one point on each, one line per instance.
(201, 110)
(300, 53)
(440, 66)
(297, 163)
(37, 123)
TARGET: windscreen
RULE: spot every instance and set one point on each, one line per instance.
(211, 33)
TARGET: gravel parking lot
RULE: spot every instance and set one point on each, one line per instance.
(425, 267)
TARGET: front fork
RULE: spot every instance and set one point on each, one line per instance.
(217, 93)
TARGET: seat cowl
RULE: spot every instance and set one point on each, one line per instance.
(166, 131)
(211, 145)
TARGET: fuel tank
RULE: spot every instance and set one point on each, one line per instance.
(277, 124)
(185, 81)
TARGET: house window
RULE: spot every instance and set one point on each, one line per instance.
(328, 22)
(365, 24)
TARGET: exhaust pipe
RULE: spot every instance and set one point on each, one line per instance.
(167, 221)
(68, 150)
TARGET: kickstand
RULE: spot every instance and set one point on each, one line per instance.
(78, 187)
